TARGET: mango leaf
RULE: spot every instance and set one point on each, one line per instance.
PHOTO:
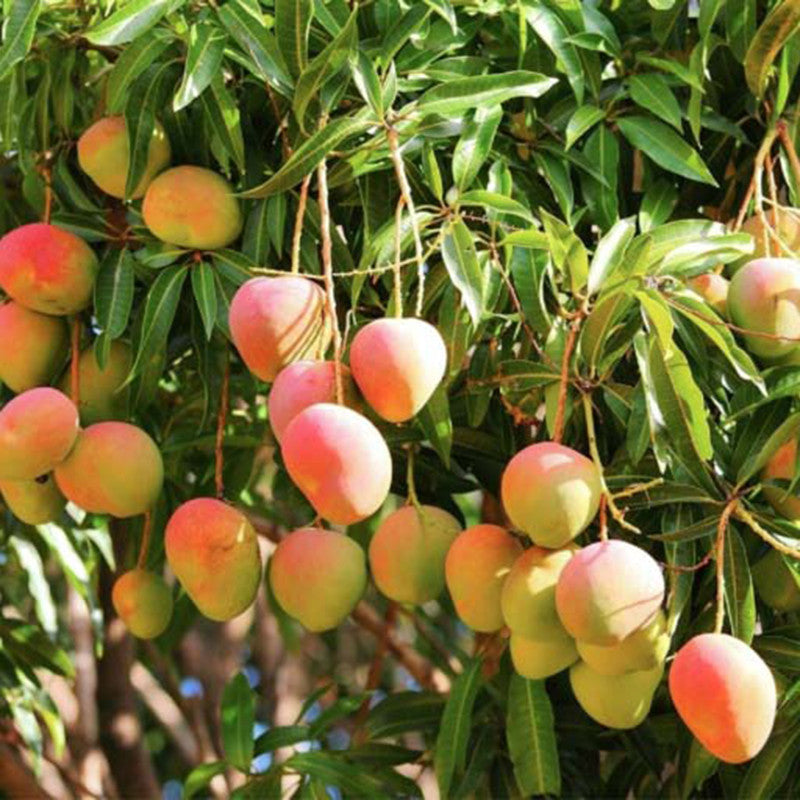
(530, 730)
(203, 62)
(658, 203)
(771, 767)
(451, 744)
(665, 147)
(133, 61)
(764, 446)
(779, 26)
(652, 93)
(740, 25)
(130, 21)
(367, 82)
(602, 149)
(582, 120)
(475, 144)
(459, 95)
(434, 419)
(598, 325)
(740, 601)
(237, 716)
(31, 563)
(674, 67)
(461, 260)
(223, 116)
(309, 154)
(201, 776)
(492, 201)
(529, 271)
(292, 24)
(19, 27)
(205, 295)
(609, 252)
(113, 299)
(567, 251)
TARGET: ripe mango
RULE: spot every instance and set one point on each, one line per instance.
(33, 347)
(115, 468)
(408, 551)
(47, 269)
(318, 577)
(213, 550)
(143, 602)
(551, 492)
(713, 289)
(477, 565)
(537, 659)
(34, 502)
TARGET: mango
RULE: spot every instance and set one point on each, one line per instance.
(115, 468)
(607, 591)
(192, 207)
(47, 269)
(318, 577)
(302, 384)
(143, 601)
(103, 153)
(787, 228)
(617, 701)
(528, 599)
(101, 397)
(551, 492)
(213, 550)
(537, 659)
(764, 296)
(643, 650)
(275, 321)
(776, 583)
(408, 550)
(33, 347)
(782, 467)
(713, 289)
(339, 461)
(37, 430)
(397, 364)
(725, 694)
(477, 565)
(34, 502)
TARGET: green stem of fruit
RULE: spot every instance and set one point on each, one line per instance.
(412, 489)
(722, 528)
(147, 526)
(297, 234)
(398, 251)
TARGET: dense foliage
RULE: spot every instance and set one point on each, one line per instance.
(558, 172)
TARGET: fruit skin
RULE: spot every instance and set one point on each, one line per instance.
(725, 694)
(34, 502)
(143, 602)
(47, 269)
(529, 593)
(551, 492)
(787, 228)
(213, 550)
(764, 296)
(643, 650)
(101, 398)
(339, 461)
(115, 468)
(275, 321)
(33, 347)
(318, 577)
(192, 207)
(103, 152)
(537, 659)
(782, 467)
(775, 583)
(408, 551)
(37, 430)
(616, 701)
(397, 364)
(607, 591)
(302, 384)
(476, 567)
(713, 289)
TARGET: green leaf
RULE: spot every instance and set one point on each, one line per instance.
(461, 94)
(609, 252)
(159, 312)
(652, 93)
(277, 738)
(475, 144)
(205, 295)
(673, 67)
(201, 776)
(245, 23)
(31, 563)
(19, 27)
(451, 743)
(292, 24)
(237, 716)
(665, 148)
(582, 120)
(434, 419)
(740, 601)
(529, 272)
(492, 201)
(461, 260)
(403, 712)
(771, 767)
(367, 82)
(740, 24)
(602, 149)
(130, 21)
(761, 450)
(309, 154)
(599, 324)
(133, 61)
(222, 113)
(530, 730)
(779, 26)
(203, 62)
(113, 299)
(567, 251)
(658, 203)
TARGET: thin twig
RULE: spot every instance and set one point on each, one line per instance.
(398, 251)
(297, 234)
(561, 408)
(746, 517)
(222, 418)
(722, 527)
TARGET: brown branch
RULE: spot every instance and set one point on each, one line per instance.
(222, 418)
